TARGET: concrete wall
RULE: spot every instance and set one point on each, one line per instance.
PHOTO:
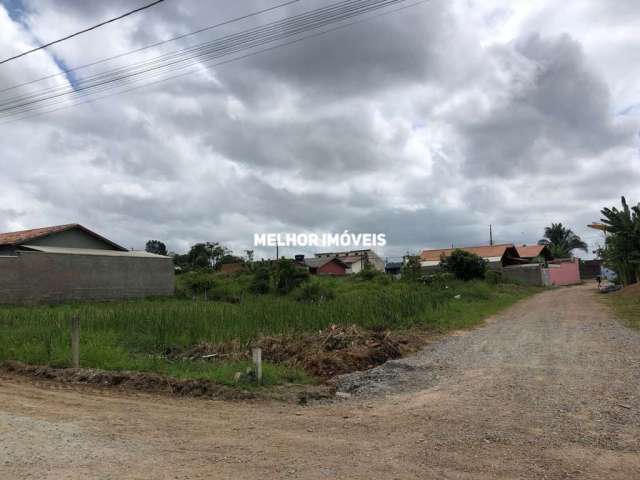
(35, 277)
(528, 274)
(565, 273)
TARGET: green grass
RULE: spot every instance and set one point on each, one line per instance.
(134, 335)
(626, 307)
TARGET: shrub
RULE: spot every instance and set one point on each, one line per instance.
(313, 292)
(261, 282)
(368, 273)
(439, 279)
(412, 270)
(287, 275)
(493, 276)
(464, 265)
(198, 282)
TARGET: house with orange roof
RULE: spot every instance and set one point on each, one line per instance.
(496, 256)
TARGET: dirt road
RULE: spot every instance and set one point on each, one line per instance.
(549, 389)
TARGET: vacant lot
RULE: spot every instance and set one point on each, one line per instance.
(163, 335)
(548, 389)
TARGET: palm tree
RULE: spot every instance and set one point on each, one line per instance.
(562, 241)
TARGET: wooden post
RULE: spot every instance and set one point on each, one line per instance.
(75, 341)
(257, 360)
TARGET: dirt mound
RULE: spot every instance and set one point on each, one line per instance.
(629, 291)
(337, 350)
(147, 382)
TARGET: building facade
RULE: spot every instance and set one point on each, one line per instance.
(70, 262)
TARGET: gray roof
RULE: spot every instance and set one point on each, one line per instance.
(91, 251)
(319, 262)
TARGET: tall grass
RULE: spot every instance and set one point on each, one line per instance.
(135, 334)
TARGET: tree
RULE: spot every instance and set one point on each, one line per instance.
(562, 241)
(157, 247)
(411, 269)
(464, 265)
(207, 255)
(622, 244)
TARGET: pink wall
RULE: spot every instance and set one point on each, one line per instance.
(566, 273)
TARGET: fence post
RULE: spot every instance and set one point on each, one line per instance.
(257, 360)
(75, 341)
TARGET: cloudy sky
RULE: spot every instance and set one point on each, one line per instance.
(427, 124)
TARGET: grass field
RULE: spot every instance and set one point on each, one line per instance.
(626, 304)
(135, 335)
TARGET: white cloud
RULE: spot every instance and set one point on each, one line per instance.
(427, 124)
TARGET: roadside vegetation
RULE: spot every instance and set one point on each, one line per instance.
(206, 332)
(626, 305)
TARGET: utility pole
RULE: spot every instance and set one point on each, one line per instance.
(277, 250)
(490, 235)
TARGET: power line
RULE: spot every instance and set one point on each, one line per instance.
(173, 77)
(153, 45)
(81, 31)
(285, 28)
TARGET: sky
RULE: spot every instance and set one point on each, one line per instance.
(426, 124)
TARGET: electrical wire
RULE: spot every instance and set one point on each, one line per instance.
(378, 4)
(101, 24)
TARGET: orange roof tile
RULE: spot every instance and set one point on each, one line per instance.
(530, 251)
(482, 251)
(15, 238)
(23, 236)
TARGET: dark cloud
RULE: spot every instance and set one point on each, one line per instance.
(418, 124)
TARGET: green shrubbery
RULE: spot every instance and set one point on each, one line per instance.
(464, 265)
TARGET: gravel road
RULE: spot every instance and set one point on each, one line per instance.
(550, 389)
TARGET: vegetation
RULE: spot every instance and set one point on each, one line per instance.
(622, 245)
(562, 241)
(139, 335)
(626, 305)
(157, 247)
(464, 265)
(411, 269)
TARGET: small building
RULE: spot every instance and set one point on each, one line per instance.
(496, 256)
(531, 252)
(393, 268)
(326, 266)
(70, 262)
(356, 260)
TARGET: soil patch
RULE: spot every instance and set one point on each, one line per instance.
(629, 291)
(333, 351)
(154, 383)
(338, 350)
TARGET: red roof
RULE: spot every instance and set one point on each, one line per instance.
(484, 251)
(16, 238)
(24, 236)
(531, 251)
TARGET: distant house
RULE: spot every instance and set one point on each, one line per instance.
(530, 252)
(496, 256)
(325, 266)
(356, 260)
(393, 268)
(70, 262)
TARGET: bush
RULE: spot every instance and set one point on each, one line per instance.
(287, 275)
(313, 292)
(261, 282)
(464, 265)
(439, 279)
(412, 270)
(493, 277)
(198, 282)
(368, 273)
